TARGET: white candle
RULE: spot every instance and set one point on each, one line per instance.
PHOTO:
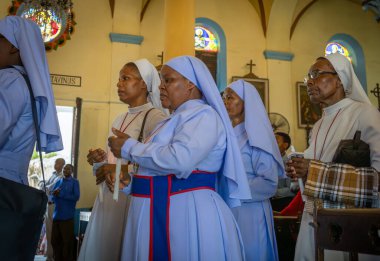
(117, 180)
(100, 186)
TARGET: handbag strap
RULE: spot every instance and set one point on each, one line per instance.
(357, 139)
(140, 138)
(35, 119)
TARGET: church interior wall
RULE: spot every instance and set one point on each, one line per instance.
(91, 55)
(242, 28)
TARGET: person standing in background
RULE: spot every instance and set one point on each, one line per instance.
(263, 166)
(56, 175)
(65, 196)
(286, 188)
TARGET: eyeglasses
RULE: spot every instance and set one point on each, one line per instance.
(315, 74)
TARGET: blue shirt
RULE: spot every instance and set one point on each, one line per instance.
(17, 132)
(67, 198)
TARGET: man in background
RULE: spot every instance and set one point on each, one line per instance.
(65, 196)
(286, 188)
(57, 174)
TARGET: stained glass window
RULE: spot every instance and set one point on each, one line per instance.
(334, 47)
(204, 40)
(51, 24)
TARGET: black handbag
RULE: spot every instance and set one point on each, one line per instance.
(22, 210)
(354, 152)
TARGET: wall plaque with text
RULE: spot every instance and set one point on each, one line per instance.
(68, 80)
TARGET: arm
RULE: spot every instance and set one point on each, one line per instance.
(283, 188)
(191, 143)
(13, 99)
(263, 183)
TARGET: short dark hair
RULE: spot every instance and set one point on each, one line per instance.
(285, 137)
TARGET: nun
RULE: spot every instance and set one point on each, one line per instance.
(263, 166)
(138, 87)
(190, 172)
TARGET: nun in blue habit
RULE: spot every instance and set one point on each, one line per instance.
(22, 51)
(263, 165)
(189, 168)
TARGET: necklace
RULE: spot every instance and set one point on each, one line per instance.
(316, 137)
(125, 117)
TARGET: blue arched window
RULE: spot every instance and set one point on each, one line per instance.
(219, 39)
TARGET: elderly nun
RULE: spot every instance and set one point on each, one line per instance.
(333, 84)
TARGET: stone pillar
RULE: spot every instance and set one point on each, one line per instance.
(179, 28)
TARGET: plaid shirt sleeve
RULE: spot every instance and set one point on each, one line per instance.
(342, 184)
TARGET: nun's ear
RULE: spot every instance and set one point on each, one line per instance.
(13, 50)
(190, 85)
(340, 84)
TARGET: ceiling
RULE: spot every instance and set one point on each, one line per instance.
(263, 9)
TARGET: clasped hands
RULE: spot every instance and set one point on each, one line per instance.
(297, 168)
(107, 172)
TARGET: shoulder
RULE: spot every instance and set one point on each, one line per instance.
(11, 78)
(366, 109)
(119, 118)
(366, 114)
(155, 113)
(200, 115)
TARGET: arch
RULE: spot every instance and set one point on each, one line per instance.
(221, 74)
(358, 60)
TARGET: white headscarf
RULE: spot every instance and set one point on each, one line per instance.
(25, 35)
(150, 76)
(350, 81)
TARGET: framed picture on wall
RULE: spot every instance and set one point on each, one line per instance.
(261, 85)
(308, 113)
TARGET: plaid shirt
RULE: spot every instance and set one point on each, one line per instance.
(338, 185)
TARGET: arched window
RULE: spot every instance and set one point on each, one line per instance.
(210, 47)
(334, 47)
(205, 40)
(206, 48)
(349, 47)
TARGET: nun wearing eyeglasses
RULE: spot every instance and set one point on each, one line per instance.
(333, 84)
(263, 165)
(190, 172)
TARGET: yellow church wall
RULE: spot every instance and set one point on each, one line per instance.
(87, 54)
(244, 35)
(152, 28)
(239, 21)
(279, 71)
